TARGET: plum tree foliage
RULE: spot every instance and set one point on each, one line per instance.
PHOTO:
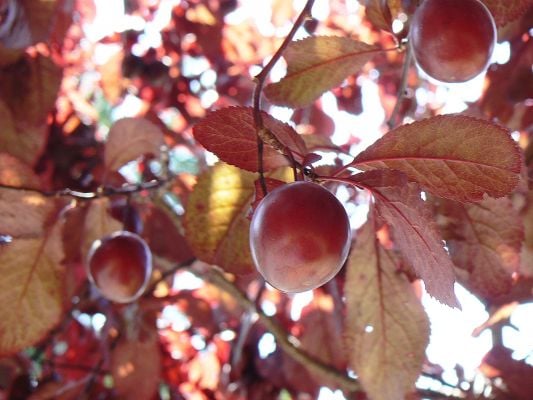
(167, 181)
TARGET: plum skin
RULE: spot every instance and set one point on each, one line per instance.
(300, 237)
(452, 40)
(119, 266)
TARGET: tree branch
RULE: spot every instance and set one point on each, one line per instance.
(103, 192)
(287, 343)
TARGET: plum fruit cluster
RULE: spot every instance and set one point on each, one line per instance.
(299, 236)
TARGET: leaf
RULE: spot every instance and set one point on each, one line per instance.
(230, 134)
(484, 239)
(24, 213)
(172, 245)
(315, 65)
(33, 21)
(526, 256)
(387, 330)
(32, 289)
(378, 12)
(98, 223)
(270, 185)
(505, 11)
(129, 139)
(28, 90)
(14, 172)
(112, 81)
(136, 368)
(516, 374)
(452, 156)
(321, 328)
(413, 229)
(215, 222)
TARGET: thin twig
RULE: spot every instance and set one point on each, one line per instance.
(104, 192)
(259, 83)
(247, 321)
(79, 367)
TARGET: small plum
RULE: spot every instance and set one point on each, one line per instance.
(119, 266)
(452, 40)
(299, 236)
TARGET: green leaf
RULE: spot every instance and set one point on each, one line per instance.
(316, 65)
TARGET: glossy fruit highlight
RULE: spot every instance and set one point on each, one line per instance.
(119, 266)
(452, 40)
(299, 236)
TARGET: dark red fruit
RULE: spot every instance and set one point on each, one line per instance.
(452, 40)
(299, 236)
(120, 265)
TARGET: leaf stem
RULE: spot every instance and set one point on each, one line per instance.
(259, 83)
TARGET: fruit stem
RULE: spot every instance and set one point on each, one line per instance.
(402, 87)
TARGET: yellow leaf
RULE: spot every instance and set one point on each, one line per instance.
(216, 223)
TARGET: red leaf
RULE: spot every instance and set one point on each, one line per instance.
(270, 184)
(321, 327)
(130, 138)
(484, 239)
(414, 231)
(315, 65)
(83, 348)
(387, 329)
(231, 135)
(516, 375)
(378, 12)
(505, 11)
(452, 156)
(24, 213)
(32, 285)
(136, 368)
(28, 92)
(172, 245)
(14, 172)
